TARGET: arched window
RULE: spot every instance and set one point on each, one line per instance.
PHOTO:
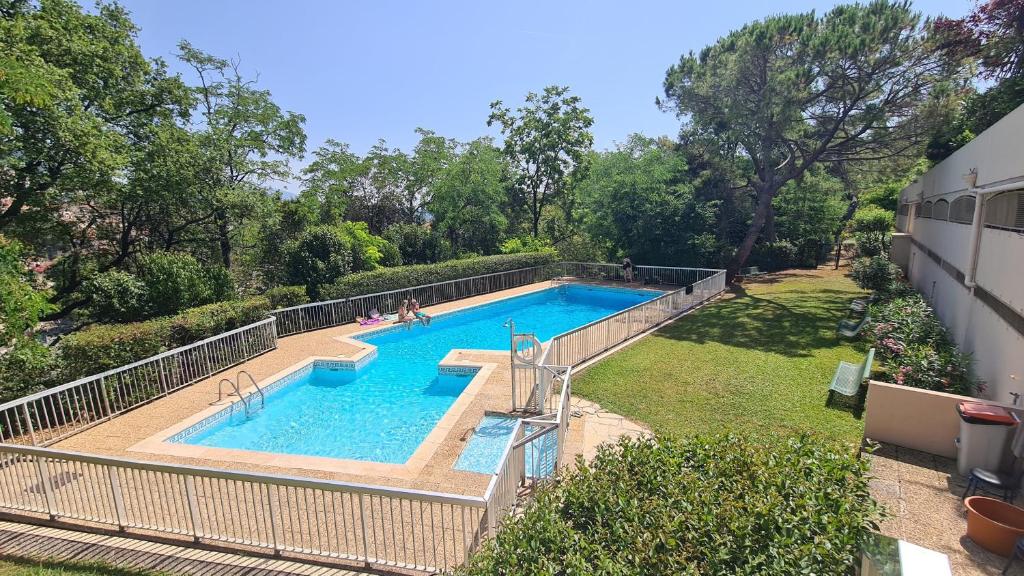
(1006, 211)
(904, 209)
(941, 210)
(962, 210)
(926, 212)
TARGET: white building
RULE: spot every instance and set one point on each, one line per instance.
(963, 249)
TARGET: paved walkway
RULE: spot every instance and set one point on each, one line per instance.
(922, 495)
(44, 543)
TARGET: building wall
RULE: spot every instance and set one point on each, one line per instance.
(987, 319)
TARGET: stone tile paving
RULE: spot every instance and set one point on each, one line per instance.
(922, 492)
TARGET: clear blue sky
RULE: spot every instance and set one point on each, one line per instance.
(361, 71)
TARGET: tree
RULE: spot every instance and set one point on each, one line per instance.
(809, 214)
(332, 180)
(430, 159)
(75, 90)
(640, 201)
(547, 141)
(21, 305)
(793, 91)
(992, 34)
(246, 134)
(468, 198)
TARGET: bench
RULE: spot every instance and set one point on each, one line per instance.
(850, 327)
(861, 304)
(752, 271)
(849, 377)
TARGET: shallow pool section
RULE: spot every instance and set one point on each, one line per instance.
(383, 410)
(487, 445)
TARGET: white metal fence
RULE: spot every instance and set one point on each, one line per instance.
(394, 527)
(46, 417)
(581, 344)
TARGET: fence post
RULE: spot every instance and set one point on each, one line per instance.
(193, 508)
(104, 397)
(44, 481)
(362, 522)
(28, 422)
(273, 522)
(162, 376)
(115, 491)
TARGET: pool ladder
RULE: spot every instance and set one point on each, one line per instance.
(238, 391)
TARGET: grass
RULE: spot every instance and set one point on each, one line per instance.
(23, 567)
(760, 359)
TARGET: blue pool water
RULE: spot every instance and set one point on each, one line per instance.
(382, 412)
(484, 450)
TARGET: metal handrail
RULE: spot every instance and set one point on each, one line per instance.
(263, 398)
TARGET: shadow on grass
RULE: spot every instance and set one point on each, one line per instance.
(791, 323)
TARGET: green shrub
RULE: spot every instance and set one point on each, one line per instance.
(770, 257)
(116, 296)
(102, 347)
(320, 256)
(711, 506)
(915, 348)
(176, 281)
(26, 367)
(877, 273)
(386, 279)
(526, 244)
(418, 244)
(870, 227)
(286, 296)
(205, 321)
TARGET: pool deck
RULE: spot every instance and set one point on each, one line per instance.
(131, 435)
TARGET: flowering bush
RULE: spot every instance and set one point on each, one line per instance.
(913, 343)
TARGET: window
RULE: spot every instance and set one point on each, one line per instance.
(941, 210)
(962, 210)
(904, 209)
(926, 212)
(1006, 211)
(917, 210)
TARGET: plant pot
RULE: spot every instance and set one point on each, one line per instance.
(993, 524)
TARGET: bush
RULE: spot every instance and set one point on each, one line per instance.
(102, 347)
(387, 279)
(176, 281)
(26, 367)
(877, 273)
(778, 255)
(870, 227)
(320, 256)
(286, 296)
(916, 350)
(526, 244)
(116, 296)
(418, 244)
(205, 321)
(712, 506)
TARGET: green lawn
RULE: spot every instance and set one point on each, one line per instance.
(21, 567)
(759, 359)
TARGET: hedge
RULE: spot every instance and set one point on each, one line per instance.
(286, 296)
(719, 505)
(103, 347)
(387, 279)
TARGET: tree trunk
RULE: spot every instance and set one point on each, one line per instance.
(764, 204)
(224, 238)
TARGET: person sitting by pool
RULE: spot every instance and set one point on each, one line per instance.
(404, 316)
(414, 307)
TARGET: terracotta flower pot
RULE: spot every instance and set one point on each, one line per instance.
(993, 524)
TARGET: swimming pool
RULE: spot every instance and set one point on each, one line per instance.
(487, 445)
(381, 412)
